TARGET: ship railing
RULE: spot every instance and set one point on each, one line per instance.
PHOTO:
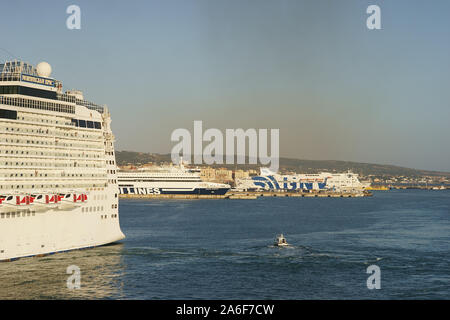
(9, 77)
(90, 105)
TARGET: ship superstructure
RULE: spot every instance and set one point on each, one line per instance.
(58, 178)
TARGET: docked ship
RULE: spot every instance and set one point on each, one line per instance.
(268, 180)
(58, 178)
(177, 180)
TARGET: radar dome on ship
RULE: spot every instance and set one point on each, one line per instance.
(44, 69)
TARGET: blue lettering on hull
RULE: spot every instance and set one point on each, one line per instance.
(271, 183)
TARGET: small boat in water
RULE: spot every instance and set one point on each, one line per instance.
(280, 241)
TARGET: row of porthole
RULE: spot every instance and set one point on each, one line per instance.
(36, 118)
(56, 133)
(49, 143)
(106, 216)
(100, 196)
(52, 154)
(92, 209)
(46, 175)
(54, 164)
(8, 215)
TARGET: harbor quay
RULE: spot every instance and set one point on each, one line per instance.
(185, 182)
(253, 195)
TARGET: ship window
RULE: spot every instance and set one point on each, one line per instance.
(9, 90)
(97, 125)
(8, 114)
(82, 123)
(75, 122)
(90, 125)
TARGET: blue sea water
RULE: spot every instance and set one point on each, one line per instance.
(223, 249)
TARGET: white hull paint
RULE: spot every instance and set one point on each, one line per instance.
(56, 230)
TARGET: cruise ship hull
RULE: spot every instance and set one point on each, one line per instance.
(45, 228)
(55, 231)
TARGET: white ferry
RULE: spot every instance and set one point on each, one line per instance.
(58, 179)
(167, 180)
(268, 180)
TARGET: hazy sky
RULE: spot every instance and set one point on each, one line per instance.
(335, 89)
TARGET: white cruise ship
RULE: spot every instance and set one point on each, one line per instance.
(167, 180)
(58, 179)
(268, 180)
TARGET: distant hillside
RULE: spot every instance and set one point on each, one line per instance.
(297, 165)
(138, 158)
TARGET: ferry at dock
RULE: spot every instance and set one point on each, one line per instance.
(58, 177)
(176, 180)
(268, 180)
